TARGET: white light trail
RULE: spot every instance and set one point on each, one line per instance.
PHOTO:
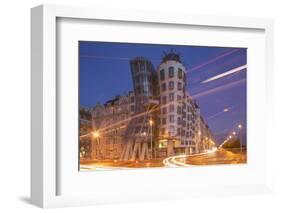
(219, 113)
(237, 69)
(212, 60)
(100, 167)
(173, 162)
(220, 88)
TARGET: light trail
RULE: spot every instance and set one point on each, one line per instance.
(102, 130)
(211, 60)
(237, 69)
(100, 167)
(220, 146)
(173, 162)
(220, 88)
(219, 113)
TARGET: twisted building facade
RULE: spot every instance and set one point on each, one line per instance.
(157, 119)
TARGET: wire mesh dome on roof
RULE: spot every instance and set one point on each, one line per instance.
(171, 56)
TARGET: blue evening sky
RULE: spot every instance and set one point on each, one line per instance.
(104, 72)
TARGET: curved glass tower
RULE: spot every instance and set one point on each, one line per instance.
(142, 74)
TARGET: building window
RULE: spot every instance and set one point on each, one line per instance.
(183, 133)
(163, 87)
(171, 108)
(142, 66)
(171, 85)
(179, 109)
(137, 79)
(172, 130)
(132, 108)
(163, 121)
(179, 120)
(171, 97)
(179, 98)
(183, 123)
(171, 118)
(145, 99)
(164, 99)
(178, 131)
(180, 73)
(149, 78)
(171, 72)
(179, 86)
(162, 75)
(164, 110)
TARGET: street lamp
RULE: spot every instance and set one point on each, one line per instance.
(240, 127)
(95, 134)
(151, 123)
(234, 133)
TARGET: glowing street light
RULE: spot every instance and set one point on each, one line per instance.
(240, 127)
(151, 123)
(234, 133)
(96, 134)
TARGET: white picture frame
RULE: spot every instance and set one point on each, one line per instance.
(44, 154)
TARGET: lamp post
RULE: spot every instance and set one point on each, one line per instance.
(199, 142)
(240, 127)
(151, 123)
(96, 135)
